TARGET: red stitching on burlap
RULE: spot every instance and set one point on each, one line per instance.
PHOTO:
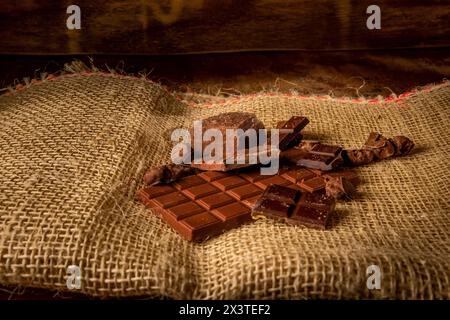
(53, 77)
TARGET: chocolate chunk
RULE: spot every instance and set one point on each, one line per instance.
(167, 173)
(350, 175)
(377, 147)
(326, 150)
(294, 206)
(403, 145)
(313, 185)
(224, 121)
(281, 193)
(382, 147)
(321, 156)
(338, 187)
(307, 145)
(251, 157)
(358, 157)
(290, 132)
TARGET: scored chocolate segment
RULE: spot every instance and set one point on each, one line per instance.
(212, 175)
(170, 200)
(313, 185)
(215, 200)
(231, 211)
(244, 192)
(229, 182)
(295, 207)
(188, 182)
(264, 183)
(199, 191)
(185, 210)
(280, 193)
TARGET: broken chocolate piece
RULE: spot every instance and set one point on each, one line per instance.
(377, 147)
(290, 132)
(338, 187)
(313, 185)
(251, 157)
(307, 145)
(382, 147)
(167, 173)
(295, 207)
(403, 145)
(321, 156)
(357, 157)
(223, 121)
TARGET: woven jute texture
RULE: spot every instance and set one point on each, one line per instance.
(73, 152)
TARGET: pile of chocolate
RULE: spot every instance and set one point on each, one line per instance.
(206, 199)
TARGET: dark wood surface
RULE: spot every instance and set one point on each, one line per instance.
(354, 74)
(187, 26)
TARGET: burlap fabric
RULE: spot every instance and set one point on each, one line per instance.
(73, 152)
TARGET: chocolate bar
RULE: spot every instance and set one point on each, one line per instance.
(202, 205)
(210, 202)
(294, 206)
(320, 156)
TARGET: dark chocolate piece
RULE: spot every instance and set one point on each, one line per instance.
(357, 157)
(295, 207)
(382, 147)
(321, 156)
(167, 173)
(403, 145)
(307, 145)
(377, 147)
(325, 150)
(338, 187)
(232, 164)
(290, 132)
(313, 185)
(224, 121)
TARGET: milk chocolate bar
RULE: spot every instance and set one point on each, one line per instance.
(294, 206)
(208, 203)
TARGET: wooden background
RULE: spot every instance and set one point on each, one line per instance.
(192, 26)
(137, 35)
